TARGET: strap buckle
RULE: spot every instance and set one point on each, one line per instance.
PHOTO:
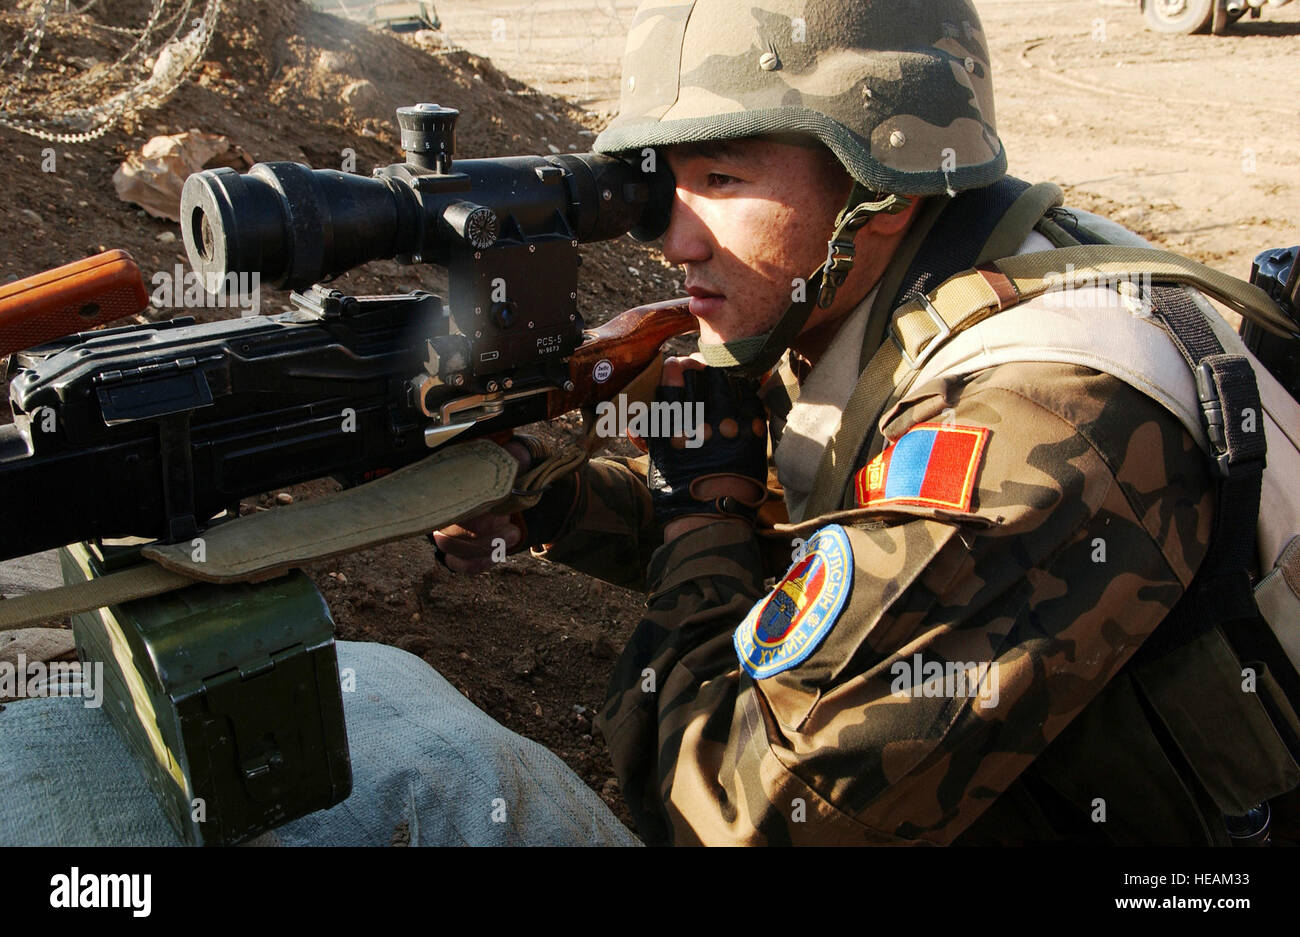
(1212, 412)
(1232, 455)
(839, 261)
(931, 344)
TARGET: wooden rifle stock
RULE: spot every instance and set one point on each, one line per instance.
(618, 351)
(71, 298)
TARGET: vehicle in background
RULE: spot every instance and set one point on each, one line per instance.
(407, 16)
(1198, 16)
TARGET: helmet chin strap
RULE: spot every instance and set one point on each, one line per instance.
(755, 355)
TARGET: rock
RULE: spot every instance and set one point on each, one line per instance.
(31, 217)
(552, 147)
(416, 644)
(166, 237)
(36, 644)
(609, 788)
(284, 498)
(365, 101)
(152, 177)
(338, 62)
(524, 664)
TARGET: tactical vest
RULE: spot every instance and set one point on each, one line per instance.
(1201, 724)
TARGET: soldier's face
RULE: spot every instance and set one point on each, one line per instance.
(750, 216)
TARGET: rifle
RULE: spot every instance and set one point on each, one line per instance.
(190, 418)
(228, 696)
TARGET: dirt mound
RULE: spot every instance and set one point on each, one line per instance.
(531, 645)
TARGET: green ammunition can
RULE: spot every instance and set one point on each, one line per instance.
(226, 696)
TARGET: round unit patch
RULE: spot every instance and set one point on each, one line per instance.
(784, 628)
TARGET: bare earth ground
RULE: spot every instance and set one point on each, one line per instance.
(1192, 141)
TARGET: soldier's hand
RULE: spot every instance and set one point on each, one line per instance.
(720, 474)
(467, 547)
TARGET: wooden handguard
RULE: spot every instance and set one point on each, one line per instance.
(68, 299)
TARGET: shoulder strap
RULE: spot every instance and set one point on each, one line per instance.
(921, 326)
(946, 238)
(1020, 219)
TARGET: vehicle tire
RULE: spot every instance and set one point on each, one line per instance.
(1178, 16)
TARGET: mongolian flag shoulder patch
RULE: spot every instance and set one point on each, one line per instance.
(931, 465)
(783, 628)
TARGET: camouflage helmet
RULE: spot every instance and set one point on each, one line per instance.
(899, 90)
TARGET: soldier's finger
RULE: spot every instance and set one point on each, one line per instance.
(467, 567)
(675, 367)
(481, 542)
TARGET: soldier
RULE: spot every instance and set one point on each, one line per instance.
(957, 653)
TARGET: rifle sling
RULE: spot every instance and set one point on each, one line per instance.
(458, 482)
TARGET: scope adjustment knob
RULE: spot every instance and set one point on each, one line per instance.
(479, 226)
(428, 135)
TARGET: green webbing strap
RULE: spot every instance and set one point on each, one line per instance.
(874, 386)
(754, 356)
(892, 279)
(138, 582)
(1018, 220)
(448, 486)
(779, 394)
(920, 327)
(1084, 266)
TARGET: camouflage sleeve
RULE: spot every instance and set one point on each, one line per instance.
(952, 645)
(610, 531)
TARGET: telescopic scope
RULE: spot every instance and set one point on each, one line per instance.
(295, 226)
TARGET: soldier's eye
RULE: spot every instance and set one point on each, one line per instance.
(717, 180)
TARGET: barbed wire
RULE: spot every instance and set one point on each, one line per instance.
(174, 59)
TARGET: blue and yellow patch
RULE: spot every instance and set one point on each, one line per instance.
(784, 628)
(931, 465)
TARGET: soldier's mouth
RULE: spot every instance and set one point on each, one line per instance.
(704, 302)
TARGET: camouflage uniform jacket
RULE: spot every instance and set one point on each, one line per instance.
(965, 689)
